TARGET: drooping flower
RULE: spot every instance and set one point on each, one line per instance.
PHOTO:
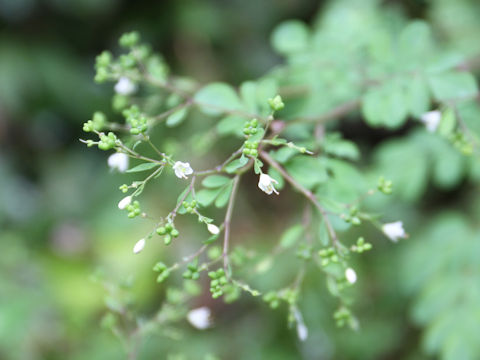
(265, 183)
(200, 318)
(213, 229)
(118, 161)
(140, 244)
(125, 86)
(302, 330)
(351, 275)
(394, 231)
(182, 169)
(431, 120)
(122, 204)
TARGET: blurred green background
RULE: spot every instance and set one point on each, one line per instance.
(59, 224)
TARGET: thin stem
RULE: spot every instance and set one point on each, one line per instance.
(308, 194)
(226, 223)
(190, 189)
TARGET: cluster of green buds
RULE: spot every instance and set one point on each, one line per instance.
(96, 124)
(217, 281)
(304, 251)
(190, 207)
(133, 209)
(352, 217)
(123, 188)
(385, 186)
(342, 316)
(272, 299)
(163, 271)
(168, 232)
(107, 142)
(276, 103)
(361, 246)
(328, 255)
(459, 140)
(136, 119)
(250, 148)
(192, 271)
(251, 127)
(102, 65)
(129, 40)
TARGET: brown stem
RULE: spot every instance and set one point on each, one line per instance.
(307, 193)
(226, 223)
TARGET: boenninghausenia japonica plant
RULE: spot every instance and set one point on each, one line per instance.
(282, 129)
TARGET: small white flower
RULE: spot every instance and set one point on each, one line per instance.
(125, 86)
(213, 229)
(431, 120)
(182, 169)
(394, 231)
(265, 183)
(122, 204)
(302, 330)
(118, 161)
(139, 246)
(200, 318)
(351, 275)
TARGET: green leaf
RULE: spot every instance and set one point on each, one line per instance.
(236, 164)
(418, 96)
(143, 167)
(453, 85)
(290, 236)
(308, 171)
(290, 37)
(177, 117)
(276, 176)
(206, 196)
(215, 181)
(335, 145)
(231, 125)
(224, 195)
(447, 123)
(415, 45)
(385, 105)
(217, 98)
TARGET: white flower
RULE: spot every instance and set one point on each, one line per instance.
(302, 330)
(431, 120)
(200, 318)
(139, 246)
(213, 229)
(265, 183)
(182, 169)
(394, 231)
(122, 204)
(118, 161)
(351, 275)
(125, 86)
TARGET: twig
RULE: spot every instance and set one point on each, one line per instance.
(226, 223)
(308, 194)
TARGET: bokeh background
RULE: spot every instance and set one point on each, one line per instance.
(60, 228)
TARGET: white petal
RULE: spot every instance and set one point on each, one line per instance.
(302, 330)
(200, 318)
(213, 229)
(431, 120)
(394, 230)
(265, 183)
(139, 246)
(182, 169)
(125, 86)
(351, 275)
(118, 161)
(122, 204)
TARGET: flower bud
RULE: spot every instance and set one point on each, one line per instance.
(124, 202)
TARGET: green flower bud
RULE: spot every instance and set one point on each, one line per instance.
(161, 230)
(276, 103)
